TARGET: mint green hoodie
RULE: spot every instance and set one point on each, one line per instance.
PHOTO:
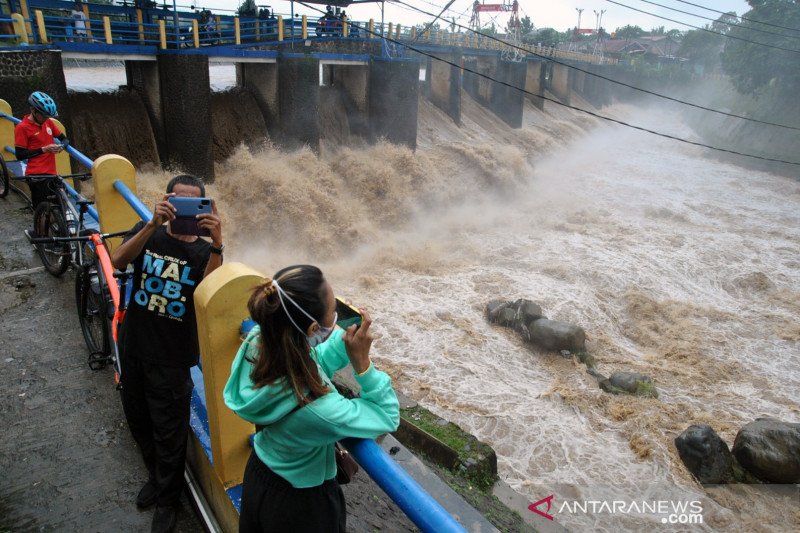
(300, 447)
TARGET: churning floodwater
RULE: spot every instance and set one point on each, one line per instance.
(676, 265)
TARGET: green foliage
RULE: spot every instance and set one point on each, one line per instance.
(660, 30)
(702, 48)
(248, 9)
(752, 66)
(526, 26)
(548, 37)
(629, 32)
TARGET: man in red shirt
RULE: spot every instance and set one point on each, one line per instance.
(34, 141)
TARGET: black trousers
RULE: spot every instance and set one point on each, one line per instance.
(156, 400)
(270, 504)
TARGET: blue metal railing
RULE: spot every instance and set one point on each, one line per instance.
(133, 200)
(418, 505)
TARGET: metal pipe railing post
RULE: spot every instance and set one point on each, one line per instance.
(137, 205)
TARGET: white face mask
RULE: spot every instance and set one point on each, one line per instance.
(322, 333)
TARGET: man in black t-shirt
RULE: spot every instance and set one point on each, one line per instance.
(159, 344)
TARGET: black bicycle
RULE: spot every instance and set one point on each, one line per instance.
(5, 179)
(57, 217)
(99, 294)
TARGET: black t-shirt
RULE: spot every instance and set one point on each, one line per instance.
(160, 324)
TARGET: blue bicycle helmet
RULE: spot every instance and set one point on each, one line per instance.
(42, 103)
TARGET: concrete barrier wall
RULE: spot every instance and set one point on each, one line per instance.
(534, 82)
(261, 79)
(22, 72)
(393, 100)
(186, 101)
(298, 102)
(353, 82)
(559, 82)
(507, 99)
(444, 85)
(143, 78)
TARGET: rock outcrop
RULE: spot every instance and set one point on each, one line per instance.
(769, 449)
(705, 454)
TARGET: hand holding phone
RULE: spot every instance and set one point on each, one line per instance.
(186, 210)
(347, 314)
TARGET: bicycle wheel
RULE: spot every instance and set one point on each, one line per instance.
(5, 179)
(49, 222)
(92, 314)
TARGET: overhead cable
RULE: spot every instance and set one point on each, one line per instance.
(600, 76)
(705, 29)
(717, 20)
(742, 17)
(366, 30)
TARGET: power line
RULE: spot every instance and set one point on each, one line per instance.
(555, 101)
(705, 29)
(739, 16)
(716, 20)
(623, 84)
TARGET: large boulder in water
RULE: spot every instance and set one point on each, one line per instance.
(556, 336)
(518, 314)
(705, 454)
(770, 450)
(630, 382)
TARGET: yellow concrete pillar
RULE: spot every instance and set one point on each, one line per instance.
(389, 33)
(280, 27)
(195, 33)
(345, 27)
(6, 132)
(107, 30)
(18, 21)
(397, 32)
(218, 24)
(258, 30)
(162, 34)
(114, 212)
(140, 23)
(371, 31)
(305, 27)
(88, 23)
(63, 161)
(40, 26)
(413, 35)
(26, 15)
(220, 305)
(236, 32)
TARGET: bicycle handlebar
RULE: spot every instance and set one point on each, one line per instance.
(81, 238)
(44, 177)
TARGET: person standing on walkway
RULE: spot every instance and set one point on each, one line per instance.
(34, 140)
(79, 19)
(281, 381)
(159, 343)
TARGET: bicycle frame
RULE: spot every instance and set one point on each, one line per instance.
(114, 290)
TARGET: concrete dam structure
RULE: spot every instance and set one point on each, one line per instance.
(289, 97)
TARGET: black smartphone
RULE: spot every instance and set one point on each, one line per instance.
(347, 315)
(187, 209)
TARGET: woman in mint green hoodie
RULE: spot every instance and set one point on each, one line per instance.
(280, 379)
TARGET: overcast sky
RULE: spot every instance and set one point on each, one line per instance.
(559, 14)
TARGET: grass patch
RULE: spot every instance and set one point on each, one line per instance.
(476, 461)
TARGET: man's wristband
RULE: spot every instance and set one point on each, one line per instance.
(218, 251)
